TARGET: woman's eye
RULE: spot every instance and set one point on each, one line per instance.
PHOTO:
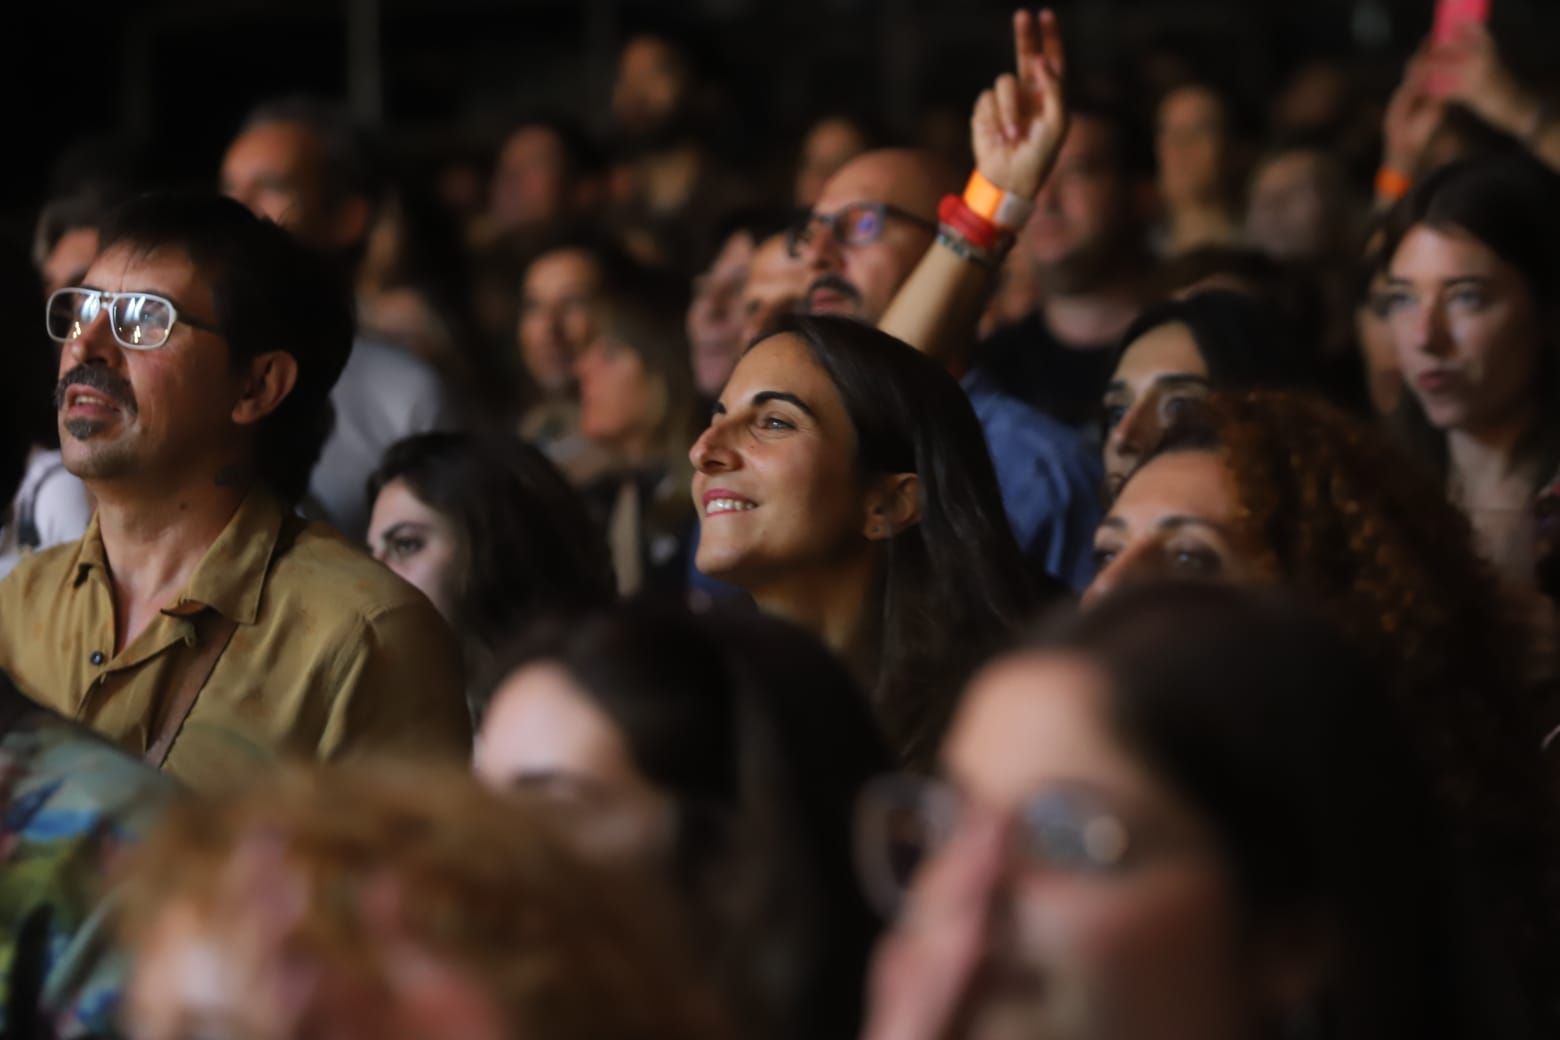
(1471, 298)
(1195, 561)
(1114, 413)
(1392, 302)
(1104, 556)
(1175, 407)
(774, 422)
(401, 548)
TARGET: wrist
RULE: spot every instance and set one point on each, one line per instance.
(1007, 210)
(1392, 182)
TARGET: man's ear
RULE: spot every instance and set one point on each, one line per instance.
(893, 505)
(271, 377)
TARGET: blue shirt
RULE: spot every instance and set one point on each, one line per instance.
(1051, 478)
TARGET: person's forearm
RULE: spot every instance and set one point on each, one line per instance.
(937, 310)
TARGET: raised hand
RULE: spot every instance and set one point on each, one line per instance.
(1412, 116)
(1467, 69)
(1018, 124)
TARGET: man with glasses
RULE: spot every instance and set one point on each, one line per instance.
(199, 623)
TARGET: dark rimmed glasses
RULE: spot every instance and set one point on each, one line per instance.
(138, 320)
(859, 224)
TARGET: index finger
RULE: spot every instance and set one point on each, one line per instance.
(1051, 41)
(1026, 41)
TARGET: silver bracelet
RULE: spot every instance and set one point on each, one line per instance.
(964, 249)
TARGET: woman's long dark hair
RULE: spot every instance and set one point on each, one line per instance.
(531, 549)
(1273, 726)
(1507, 203)
(762, 741)
(956, 585)
(1239, 337)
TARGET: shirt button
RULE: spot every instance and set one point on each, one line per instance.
(97, 658)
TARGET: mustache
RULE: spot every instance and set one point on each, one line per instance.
(95, 377)
(834, 283)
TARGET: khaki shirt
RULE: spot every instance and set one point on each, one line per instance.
(333, 655)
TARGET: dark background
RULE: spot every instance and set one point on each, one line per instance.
(178, 75)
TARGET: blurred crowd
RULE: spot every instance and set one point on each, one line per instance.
(1094, 578)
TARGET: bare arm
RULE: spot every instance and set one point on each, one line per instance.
(1468, 69)
(1016, 128)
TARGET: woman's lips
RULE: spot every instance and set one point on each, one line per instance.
(1438, 381)
(722, 500)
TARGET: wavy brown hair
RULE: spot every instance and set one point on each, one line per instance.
(484, 886)
(1332, 509)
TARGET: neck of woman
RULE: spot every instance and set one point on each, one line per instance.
(1485, 467)
(840, 603)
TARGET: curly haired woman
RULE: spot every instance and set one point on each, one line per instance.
(1266, 487)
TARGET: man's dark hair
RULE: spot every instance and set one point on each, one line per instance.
(352, 166)
(271, 293)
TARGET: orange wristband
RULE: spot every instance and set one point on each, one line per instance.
(1004, 209)
(1392, 184)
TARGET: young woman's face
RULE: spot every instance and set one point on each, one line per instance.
(1176, 518)
(621, 401)
(1104, 908)
(420, 544)
(777, 485)
(1158, 374)
(544, 736)
(1466, 330)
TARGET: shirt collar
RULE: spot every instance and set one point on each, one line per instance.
(230, 577)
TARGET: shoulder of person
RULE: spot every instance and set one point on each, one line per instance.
(396, 380)
(37, 573)
(322, 570)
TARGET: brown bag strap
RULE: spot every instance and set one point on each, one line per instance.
(217, 636)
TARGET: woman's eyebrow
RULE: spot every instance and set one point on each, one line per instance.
(765, 396)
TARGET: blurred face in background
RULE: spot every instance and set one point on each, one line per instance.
(1466, 329)
(557, 304)
(715, 314)
(1095, 896)
(1291, 214)
(622, 402)
(1084, 212)
(68, 261)
(1193, 147)
(651, 88)
(277, 170)
(420, 544)
(531, 179)
(776, 283)
(1373, 330)
(828, 146)
(543, 735)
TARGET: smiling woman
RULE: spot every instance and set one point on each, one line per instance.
(844, 482)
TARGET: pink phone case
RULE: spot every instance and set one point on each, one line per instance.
(1450, 14)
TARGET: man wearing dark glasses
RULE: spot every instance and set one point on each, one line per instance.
(198, 622)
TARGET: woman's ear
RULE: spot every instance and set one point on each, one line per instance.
(893, 505)
(271, 377)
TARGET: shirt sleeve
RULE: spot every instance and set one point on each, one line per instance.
(400, 691)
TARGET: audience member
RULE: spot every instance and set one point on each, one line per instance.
(1187, 813)
(639, 411)
(199, 623)
(559, 297)
(1265, 488)
(1195, 145)
(394, 904)
(1472, 262)
(729, 751)
(715, 317)
(1175, 353)
(775, 286)
(547, 177)
(44, 505)
(1299, 207)
(828, 145)
(844, 483)
(65, 239)
(302, 164)
(490, 532)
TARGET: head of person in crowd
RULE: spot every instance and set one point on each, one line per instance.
(637, 396)
(871, 225)
(1373, 332)
(303, 163)
(1187, 813)
(177, 363)
(65, 239)
(1472, 264)
(1300, 206)
(656, 96)
(377, 901)
(559, 296)
(1175, 353)
(1265, 487)
(1194, 141)
(715, 317)
(844, 482)
(1089, 225)
(547, 175)
(727, 750)
(829, 143)
(776, 285)
(489, 530)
